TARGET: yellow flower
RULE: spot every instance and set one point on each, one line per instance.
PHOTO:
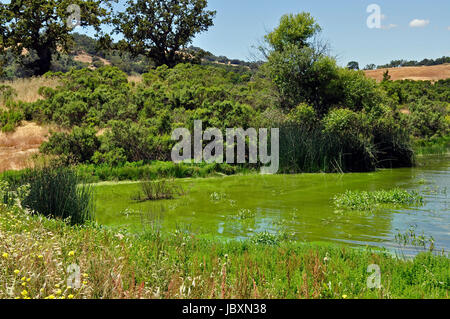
(70, 296)
(17, 271)
(50, 297)
(24, 284)
(28, 279)
(23, 278)
(57, 285)
(40, 256)
(69, 287)
(58, 292)
(84, 282)
(344, 296)
(85, 275)
(5, 255)
(71, 253)
(24, 293)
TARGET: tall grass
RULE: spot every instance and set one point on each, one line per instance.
(58, 192)
(309, 150)
(156, 190)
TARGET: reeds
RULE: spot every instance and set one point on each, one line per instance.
(58, 192)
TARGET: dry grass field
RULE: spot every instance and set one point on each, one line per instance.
(430, 73)
(27, 89)
(17, 148)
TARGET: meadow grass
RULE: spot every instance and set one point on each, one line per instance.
(368, 201)
(35, 253)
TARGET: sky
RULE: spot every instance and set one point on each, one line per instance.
(410, 29)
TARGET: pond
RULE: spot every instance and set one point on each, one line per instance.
(237, 207)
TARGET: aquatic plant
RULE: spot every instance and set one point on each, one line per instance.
(156, 190)
(368, 201)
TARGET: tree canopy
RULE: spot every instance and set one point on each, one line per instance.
(158, 29)
(294, 29)
(34, 30)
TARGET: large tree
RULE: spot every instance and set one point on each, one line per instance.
(159, 29)
(34, 30)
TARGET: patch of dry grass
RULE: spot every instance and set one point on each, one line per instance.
(424, 73)
(27, 89)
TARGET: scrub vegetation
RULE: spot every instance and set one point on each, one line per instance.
(113, 127)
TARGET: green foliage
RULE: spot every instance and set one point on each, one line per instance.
(368, 201)
(293, 30)
(10, 119)
(40, 27)
(77, 147)
(57, 192)
(158, 29)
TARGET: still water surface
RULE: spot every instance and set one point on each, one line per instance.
(300, 205)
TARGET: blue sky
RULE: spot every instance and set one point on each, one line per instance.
(239, 24)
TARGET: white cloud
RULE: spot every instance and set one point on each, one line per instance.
(389, 26)
(418, 23)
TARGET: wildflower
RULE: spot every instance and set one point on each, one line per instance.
(344, 296)
(24, 293)
(50, 297)
(24, 284)
(40, 256)
(58, 292)
(71, 253)
(85, 275)
(70, 296)
(17, 271)
(28, 279)
(23, 278)
(5, 255)
(57, 285)
(84, 282)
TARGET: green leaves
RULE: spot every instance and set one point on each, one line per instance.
(160, 28)
(293, 30)
(41, 27)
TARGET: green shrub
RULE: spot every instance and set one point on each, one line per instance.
(10, 119)
(78, 146)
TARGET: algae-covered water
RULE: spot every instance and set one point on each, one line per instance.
(237, 207)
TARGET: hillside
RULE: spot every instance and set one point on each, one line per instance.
(425, 73)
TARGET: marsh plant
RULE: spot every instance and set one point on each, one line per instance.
(57, 192)
(244, 214)
(412, 239)
(157, 190)
(368, 201)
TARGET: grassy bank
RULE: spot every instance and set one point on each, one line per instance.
(35, 253)
(137, 171)
(433, 146)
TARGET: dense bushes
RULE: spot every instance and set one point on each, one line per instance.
(348, 128)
